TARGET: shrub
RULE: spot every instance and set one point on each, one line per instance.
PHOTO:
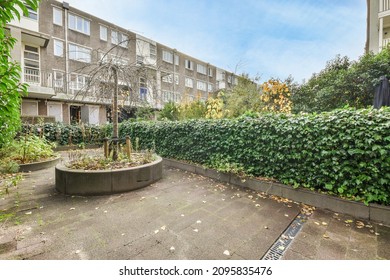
(344, 152)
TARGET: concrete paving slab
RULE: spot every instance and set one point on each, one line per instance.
(198, 217)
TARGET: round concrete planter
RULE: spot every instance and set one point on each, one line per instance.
(99, 182)
(34, 166)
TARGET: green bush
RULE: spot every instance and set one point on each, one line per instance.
(344, 152)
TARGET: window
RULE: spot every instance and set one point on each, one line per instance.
(143, 90)
(119, 39)
(210, 72)
(167, 56)
(103, 33)
(167, 78)
(57, 16)
(58, 48)
(201, 69)
(201, 86)
(189, 64)
(111, 58)
(168, 96)
(58, 80)
(210, 88)
(79, 53)
(31, 13)
(78, 81)
(79, 24)
(153, 51)
(31, 65)
(189, 82)
(229, 79)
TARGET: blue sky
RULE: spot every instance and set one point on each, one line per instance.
(266, 38)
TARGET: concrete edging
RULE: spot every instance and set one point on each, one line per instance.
(101, 182)
(373, 212)
(35, 166)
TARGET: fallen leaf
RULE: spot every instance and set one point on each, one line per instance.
(257, 205)
(156, 231)
(325, 236)
(204, 201)
(122, 234)
(172, 249)
(28, 213)
(226, 252)
(96, 208)
(324, 224)
(142, 198)
(317, 223)
(265, 227)
(72, 208)
(289, 206)
(250, 196)
(182, 215)
(348, 221)
(77, 251)
(163, 227)
(377, 233)
(105, 211)
(286, 215)
(281, 248)
(196, 230)
(198, 221)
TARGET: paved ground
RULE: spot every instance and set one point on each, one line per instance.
(183, 216)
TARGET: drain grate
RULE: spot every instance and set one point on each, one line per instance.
(279, 247)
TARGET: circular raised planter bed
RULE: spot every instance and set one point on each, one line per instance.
(99, 182)
(34, 166)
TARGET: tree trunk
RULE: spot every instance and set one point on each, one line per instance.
(115, 116)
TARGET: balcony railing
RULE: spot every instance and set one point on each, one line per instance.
(384, 5)
(386, 42)
(40, 78)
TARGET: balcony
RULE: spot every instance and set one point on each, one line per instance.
(40, 83)
(384, 5)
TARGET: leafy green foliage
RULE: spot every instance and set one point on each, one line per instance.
(342, 83)
(10, 85)
(344, 152)
(170, 112)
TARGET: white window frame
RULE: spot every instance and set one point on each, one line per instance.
(33, 15)
(200, 68)
(58, 49)
(58, 83)
(78, 85)
(85, 27)
(210, 72)
(177, 59)
(189, 64)
(120, 39)
(189, 82)
(152, 51)
(103, 31)
(201, 85)
(210, 88)
(57, 13)
(167, 56)
(80, 53)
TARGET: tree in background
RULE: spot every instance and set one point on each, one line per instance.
(275, 96)
(11, 89)
(342, 83)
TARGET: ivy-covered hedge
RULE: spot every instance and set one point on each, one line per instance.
(345, 152)
(68, 134)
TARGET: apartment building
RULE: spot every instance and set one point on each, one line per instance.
(378, 25)
(67, 57)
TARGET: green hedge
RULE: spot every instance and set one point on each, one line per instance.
(68, 134)
(345, 152)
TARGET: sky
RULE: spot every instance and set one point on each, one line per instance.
(263, 38)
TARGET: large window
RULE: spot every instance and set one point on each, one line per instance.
(79, 53)
(58, 80)
(103, 33)
(58, 48)
(143, 90)
(167, 78)
(201, 69)
(120, 39)
(79, 24)
(31, 65)
(78, 81)
(57, 16)
(167, 56)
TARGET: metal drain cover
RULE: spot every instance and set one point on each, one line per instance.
(279, 247)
